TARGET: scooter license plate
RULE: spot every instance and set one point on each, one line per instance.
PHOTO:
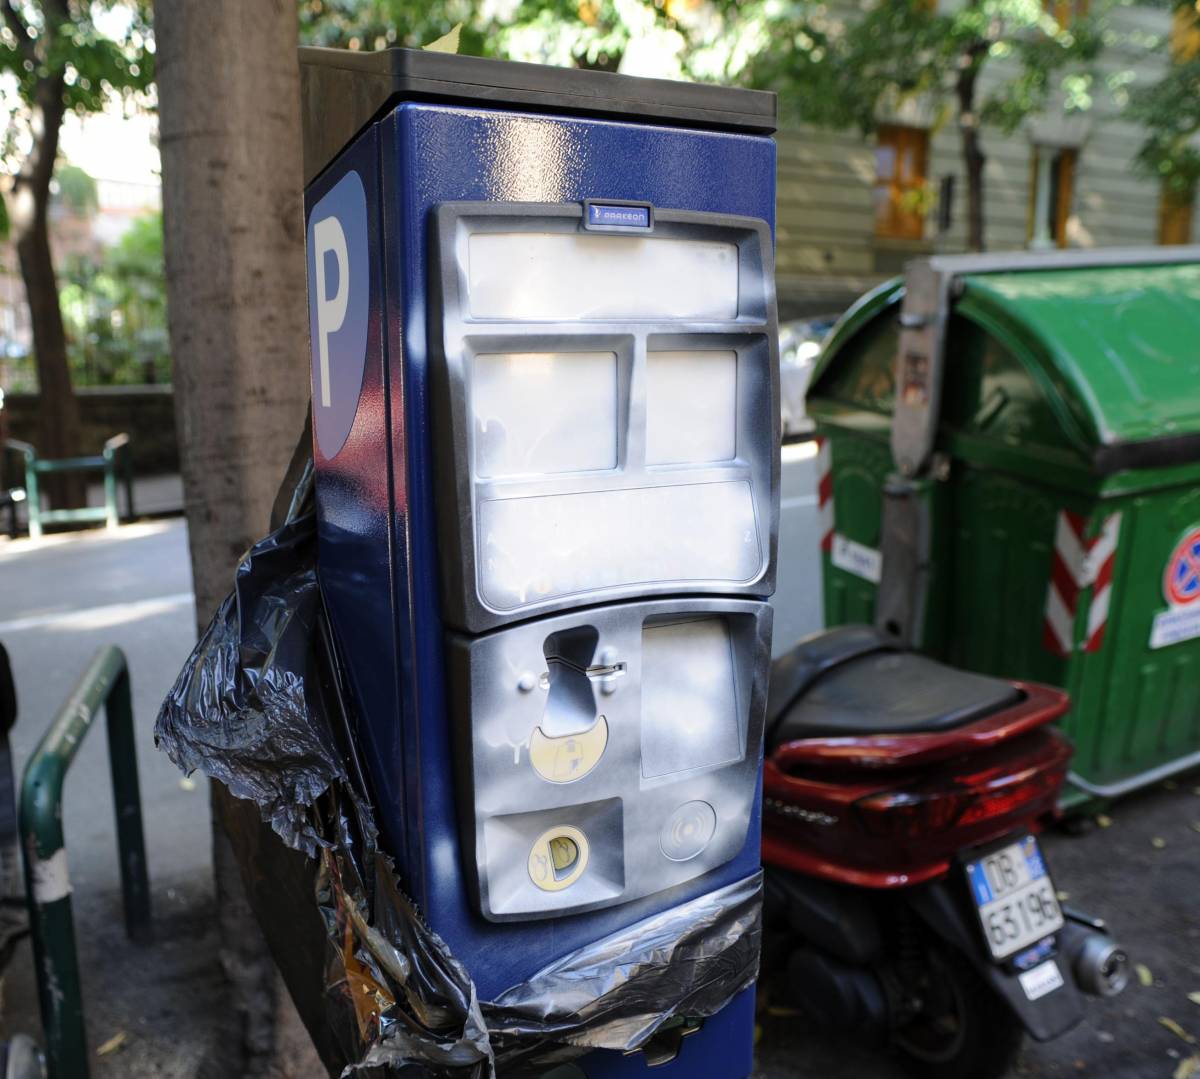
(1014, 896)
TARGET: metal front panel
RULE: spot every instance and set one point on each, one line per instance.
(432, 154)
(582, 448)
(630, 732)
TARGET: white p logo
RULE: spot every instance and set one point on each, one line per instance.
(328, 237)
(339, 308)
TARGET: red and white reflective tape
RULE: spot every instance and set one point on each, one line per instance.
(825, 493)
(1078, 563)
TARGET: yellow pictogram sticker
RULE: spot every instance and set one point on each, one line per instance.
(564, 760)
(558, 858)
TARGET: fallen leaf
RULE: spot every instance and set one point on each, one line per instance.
(112, 1045)
(1176, 1029)
(1104, 820)
(1158, 842)
(448, 42)
(1144, 975)
(776, 1012)
(1194, 998)
(1062, 897)
(1187, 1069)
(1196, 826)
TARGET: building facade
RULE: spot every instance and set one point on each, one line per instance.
(853, 210)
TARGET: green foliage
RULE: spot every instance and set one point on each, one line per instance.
(115, 311)
(835, 69)
(76, 189)
(100, 48)
(568, 33)
(1170, 111)
(370, 25)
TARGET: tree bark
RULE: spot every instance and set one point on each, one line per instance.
(973, 155)
(58, 413)
(229, 108)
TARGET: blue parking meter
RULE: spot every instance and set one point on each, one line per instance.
(546, 427)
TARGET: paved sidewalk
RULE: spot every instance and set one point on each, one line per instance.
(60, 599)
(63, 597)
(1150, 895)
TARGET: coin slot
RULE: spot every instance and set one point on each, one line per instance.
(558, 858)
(567, 759)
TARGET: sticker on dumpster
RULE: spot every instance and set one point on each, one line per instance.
(862, 561)
(338, 299)
(1181, 587)
(1181, 582)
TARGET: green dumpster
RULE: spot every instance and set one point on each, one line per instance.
(1028, 505)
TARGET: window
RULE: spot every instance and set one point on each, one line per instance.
(1066, 12)
(901, 157)
(1175, 215)
(1185, 34)
(1051, 195)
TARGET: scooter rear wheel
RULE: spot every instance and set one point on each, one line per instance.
(964, 1031)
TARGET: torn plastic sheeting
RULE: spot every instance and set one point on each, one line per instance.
(240, 709)
(259, 706)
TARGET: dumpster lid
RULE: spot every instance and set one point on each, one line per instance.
(1123, 339)
(342, 91)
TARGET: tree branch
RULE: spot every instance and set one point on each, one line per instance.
(19, 30)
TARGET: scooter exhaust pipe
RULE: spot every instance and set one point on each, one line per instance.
(1099, 963)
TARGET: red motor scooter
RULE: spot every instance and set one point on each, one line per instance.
(907, 899)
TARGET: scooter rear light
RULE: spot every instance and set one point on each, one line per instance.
(1003, 790)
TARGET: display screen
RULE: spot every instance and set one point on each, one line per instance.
(565, 275)
(543, 412)
(691, 407)
(542, 547)
(689, 697)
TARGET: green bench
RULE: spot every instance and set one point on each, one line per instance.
(115, 461)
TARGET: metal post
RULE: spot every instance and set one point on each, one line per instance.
(48, 886)
(127, 471)
(112, 517)
(33, 497)
(127, 803)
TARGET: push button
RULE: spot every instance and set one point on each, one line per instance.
(558, 858)
(566, 759)
(688, 831)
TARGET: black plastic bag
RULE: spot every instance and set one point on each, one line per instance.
(259, 707)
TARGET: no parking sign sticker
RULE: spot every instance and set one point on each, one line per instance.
(1181, 587)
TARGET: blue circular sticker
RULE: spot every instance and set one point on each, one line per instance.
(339, 292)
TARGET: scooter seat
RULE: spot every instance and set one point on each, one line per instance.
(853, 682)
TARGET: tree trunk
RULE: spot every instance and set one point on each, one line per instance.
(58, 412)
(229, 108)
(973, 156)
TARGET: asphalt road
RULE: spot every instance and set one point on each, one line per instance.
(62, 599)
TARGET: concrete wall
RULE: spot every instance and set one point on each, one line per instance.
(147, 413)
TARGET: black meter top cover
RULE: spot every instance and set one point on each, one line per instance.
(344, 91)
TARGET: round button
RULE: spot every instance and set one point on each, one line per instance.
(558, 858)
(688, 831)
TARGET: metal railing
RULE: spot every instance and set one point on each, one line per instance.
(104, 685)
(115, 462)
